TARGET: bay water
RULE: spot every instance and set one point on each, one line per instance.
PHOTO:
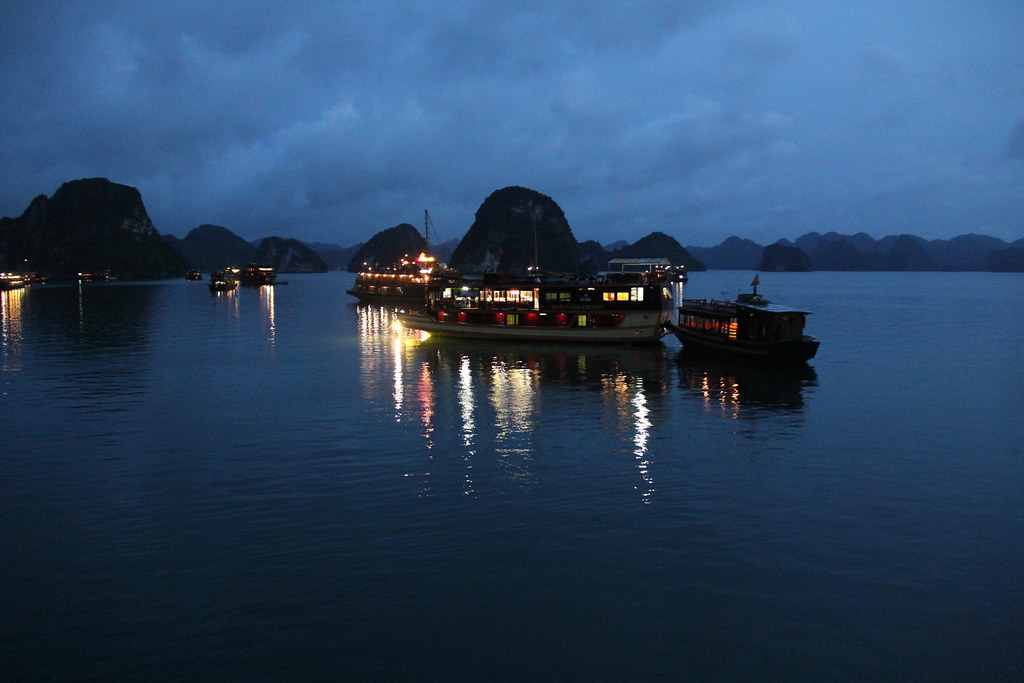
(277, 483)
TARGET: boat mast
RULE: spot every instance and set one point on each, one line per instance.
(536, 258)
(426, 229)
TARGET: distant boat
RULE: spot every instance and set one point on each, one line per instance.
(95, 276)
(255, 275)
(224, 280)
(404, 282)
(34, 279)
(750, 328)
(193, 275)
(614, 307)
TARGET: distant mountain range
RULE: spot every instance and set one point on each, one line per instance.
(94, 224)
(211, 247)
(833, 251)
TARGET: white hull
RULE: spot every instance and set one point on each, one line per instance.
(639, 327)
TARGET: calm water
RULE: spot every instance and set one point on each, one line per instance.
(275, 484)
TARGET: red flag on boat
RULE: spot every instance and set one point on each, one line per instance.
(756, 281)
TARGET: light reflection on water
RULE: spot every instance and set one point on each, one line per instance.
(11, 302)
(510, 399)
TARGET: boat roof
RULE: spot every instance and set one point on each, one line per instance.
(648, 264)
(714, 305)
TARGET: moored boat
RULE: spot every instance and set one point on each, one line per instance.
(404, 282)
(750, 328)
(256, 275)
(224, 280)
(614, 307)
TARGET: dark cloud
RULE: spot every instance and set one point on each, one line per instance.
(331, 121)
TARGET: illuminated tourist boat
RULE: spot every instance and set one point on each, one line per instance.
(11, 281)
(750, 327)
(405, 282)
(224, 280)
(255, 275)
(616, 307)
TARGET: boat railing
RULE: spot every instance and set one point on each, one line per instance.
(711, 305)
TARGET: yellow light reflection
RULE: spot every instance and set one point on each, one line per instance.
(11, 304)
(514, 399)
(467, 403)
(267, 304)
(397, 392)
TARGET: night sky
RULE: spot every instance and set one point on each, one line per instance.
(333, 121)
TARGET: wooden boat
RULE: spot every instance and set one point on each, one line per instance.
(254, 275)
(224, 280)
(750, 328)
(614, 307)
(404, 282)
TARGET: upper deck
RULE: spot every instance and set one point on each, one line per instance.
(715, 307)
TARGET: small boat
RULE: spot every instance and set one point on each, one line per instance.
(613, 307)
(34, 279)
(224, 280)
(97, 276)
(747, 328)
(193, 275)
(255, 275)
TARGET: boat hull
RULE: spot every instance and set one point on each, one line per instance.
(635, 328)
(794, 351)
(390, 297)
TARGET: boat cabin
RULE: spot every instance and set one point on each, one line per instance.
(736, 321)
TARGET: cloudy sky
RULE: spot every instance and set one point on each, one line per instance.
(330, 121)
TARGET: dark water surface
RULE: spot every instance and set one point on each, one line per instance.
(276, 484)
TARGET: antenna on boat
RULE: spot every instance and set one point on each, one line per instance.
(536, 257)
(426, 229)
